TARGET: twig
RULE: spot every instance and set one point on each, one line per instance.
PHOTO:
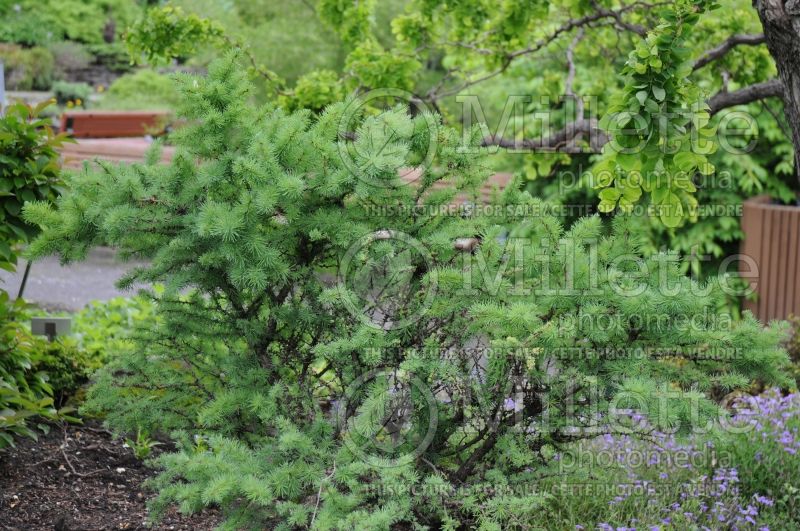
(726, 46)
(319, 494)
(69, 463)
(98, 430)
(425, 460)
(43, 461)
(569, 89)
(777, 119)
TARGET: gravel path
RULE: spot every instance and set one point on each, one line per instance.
(71, 287)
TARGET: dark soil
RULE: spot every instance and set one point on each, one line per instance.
(80, 478)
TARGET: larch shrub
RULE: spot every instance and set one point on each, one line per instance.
(334, 348)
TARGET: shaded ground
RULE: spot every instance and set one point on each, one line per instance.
(78, 478)
(55, 287)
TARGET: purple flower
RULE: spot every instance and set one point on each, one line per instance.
(763, 500)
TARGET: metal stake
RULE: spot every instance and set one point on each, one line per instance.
(24, 279)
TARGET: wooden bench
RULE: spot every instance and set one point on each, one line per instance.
(113, 124)
(109, 149)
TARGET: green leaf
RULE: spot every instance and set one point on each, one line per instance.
(685, 161)
(606, 206)
(629, 161)
(659, 93)
(625, 205)
(706, 168)
(671, 211)
(660, 194)
(631, 194)
(610, 194)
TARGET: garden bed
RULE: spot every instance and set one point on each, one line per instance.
(80, 478)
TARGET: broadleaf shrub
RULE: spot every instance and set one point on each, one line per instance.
(103, 329)
(77, 93)
(30, 171)
(25, 391)
(335, 348)
(27, 68)
(143, 89)
(100, 332)
(33, 22)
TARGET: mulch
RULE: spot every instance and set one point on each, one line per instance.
(78, 478)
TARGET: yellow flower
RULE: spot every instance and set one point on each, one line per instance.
(70, 104)
(101, 88)
(78, 102)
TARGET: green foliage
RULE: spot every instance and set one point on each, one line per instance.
(792, 345)
(166, 33)
(315, 91)
(350, 19)
(103, 329)
(143, 89)
(100, 331)
(279, 392)
(69, 57)
(34, 22)
(27, 68)
(142, 446)
(26, 394)
(29, 172)
(67, 367)
(373, 67)
(77, 93)
(651, 148)
(113, 56)
(308, 47)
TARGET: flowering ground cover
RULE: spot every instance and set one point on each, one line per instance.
(742, 475)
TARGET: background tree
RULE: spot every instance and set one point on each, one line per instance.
(781, 22)
(553, 53)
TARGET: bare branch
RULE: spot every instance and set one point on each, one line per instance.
(726, 46)
(768, 89)
(620, 23)
(570, 81)
(569, 88)
(560, 140)
(575, 23)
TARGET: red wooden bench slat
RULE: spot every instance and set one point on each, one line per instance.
(112, 124)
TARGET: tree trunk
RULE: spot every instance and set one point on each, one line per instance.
(781, 22)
